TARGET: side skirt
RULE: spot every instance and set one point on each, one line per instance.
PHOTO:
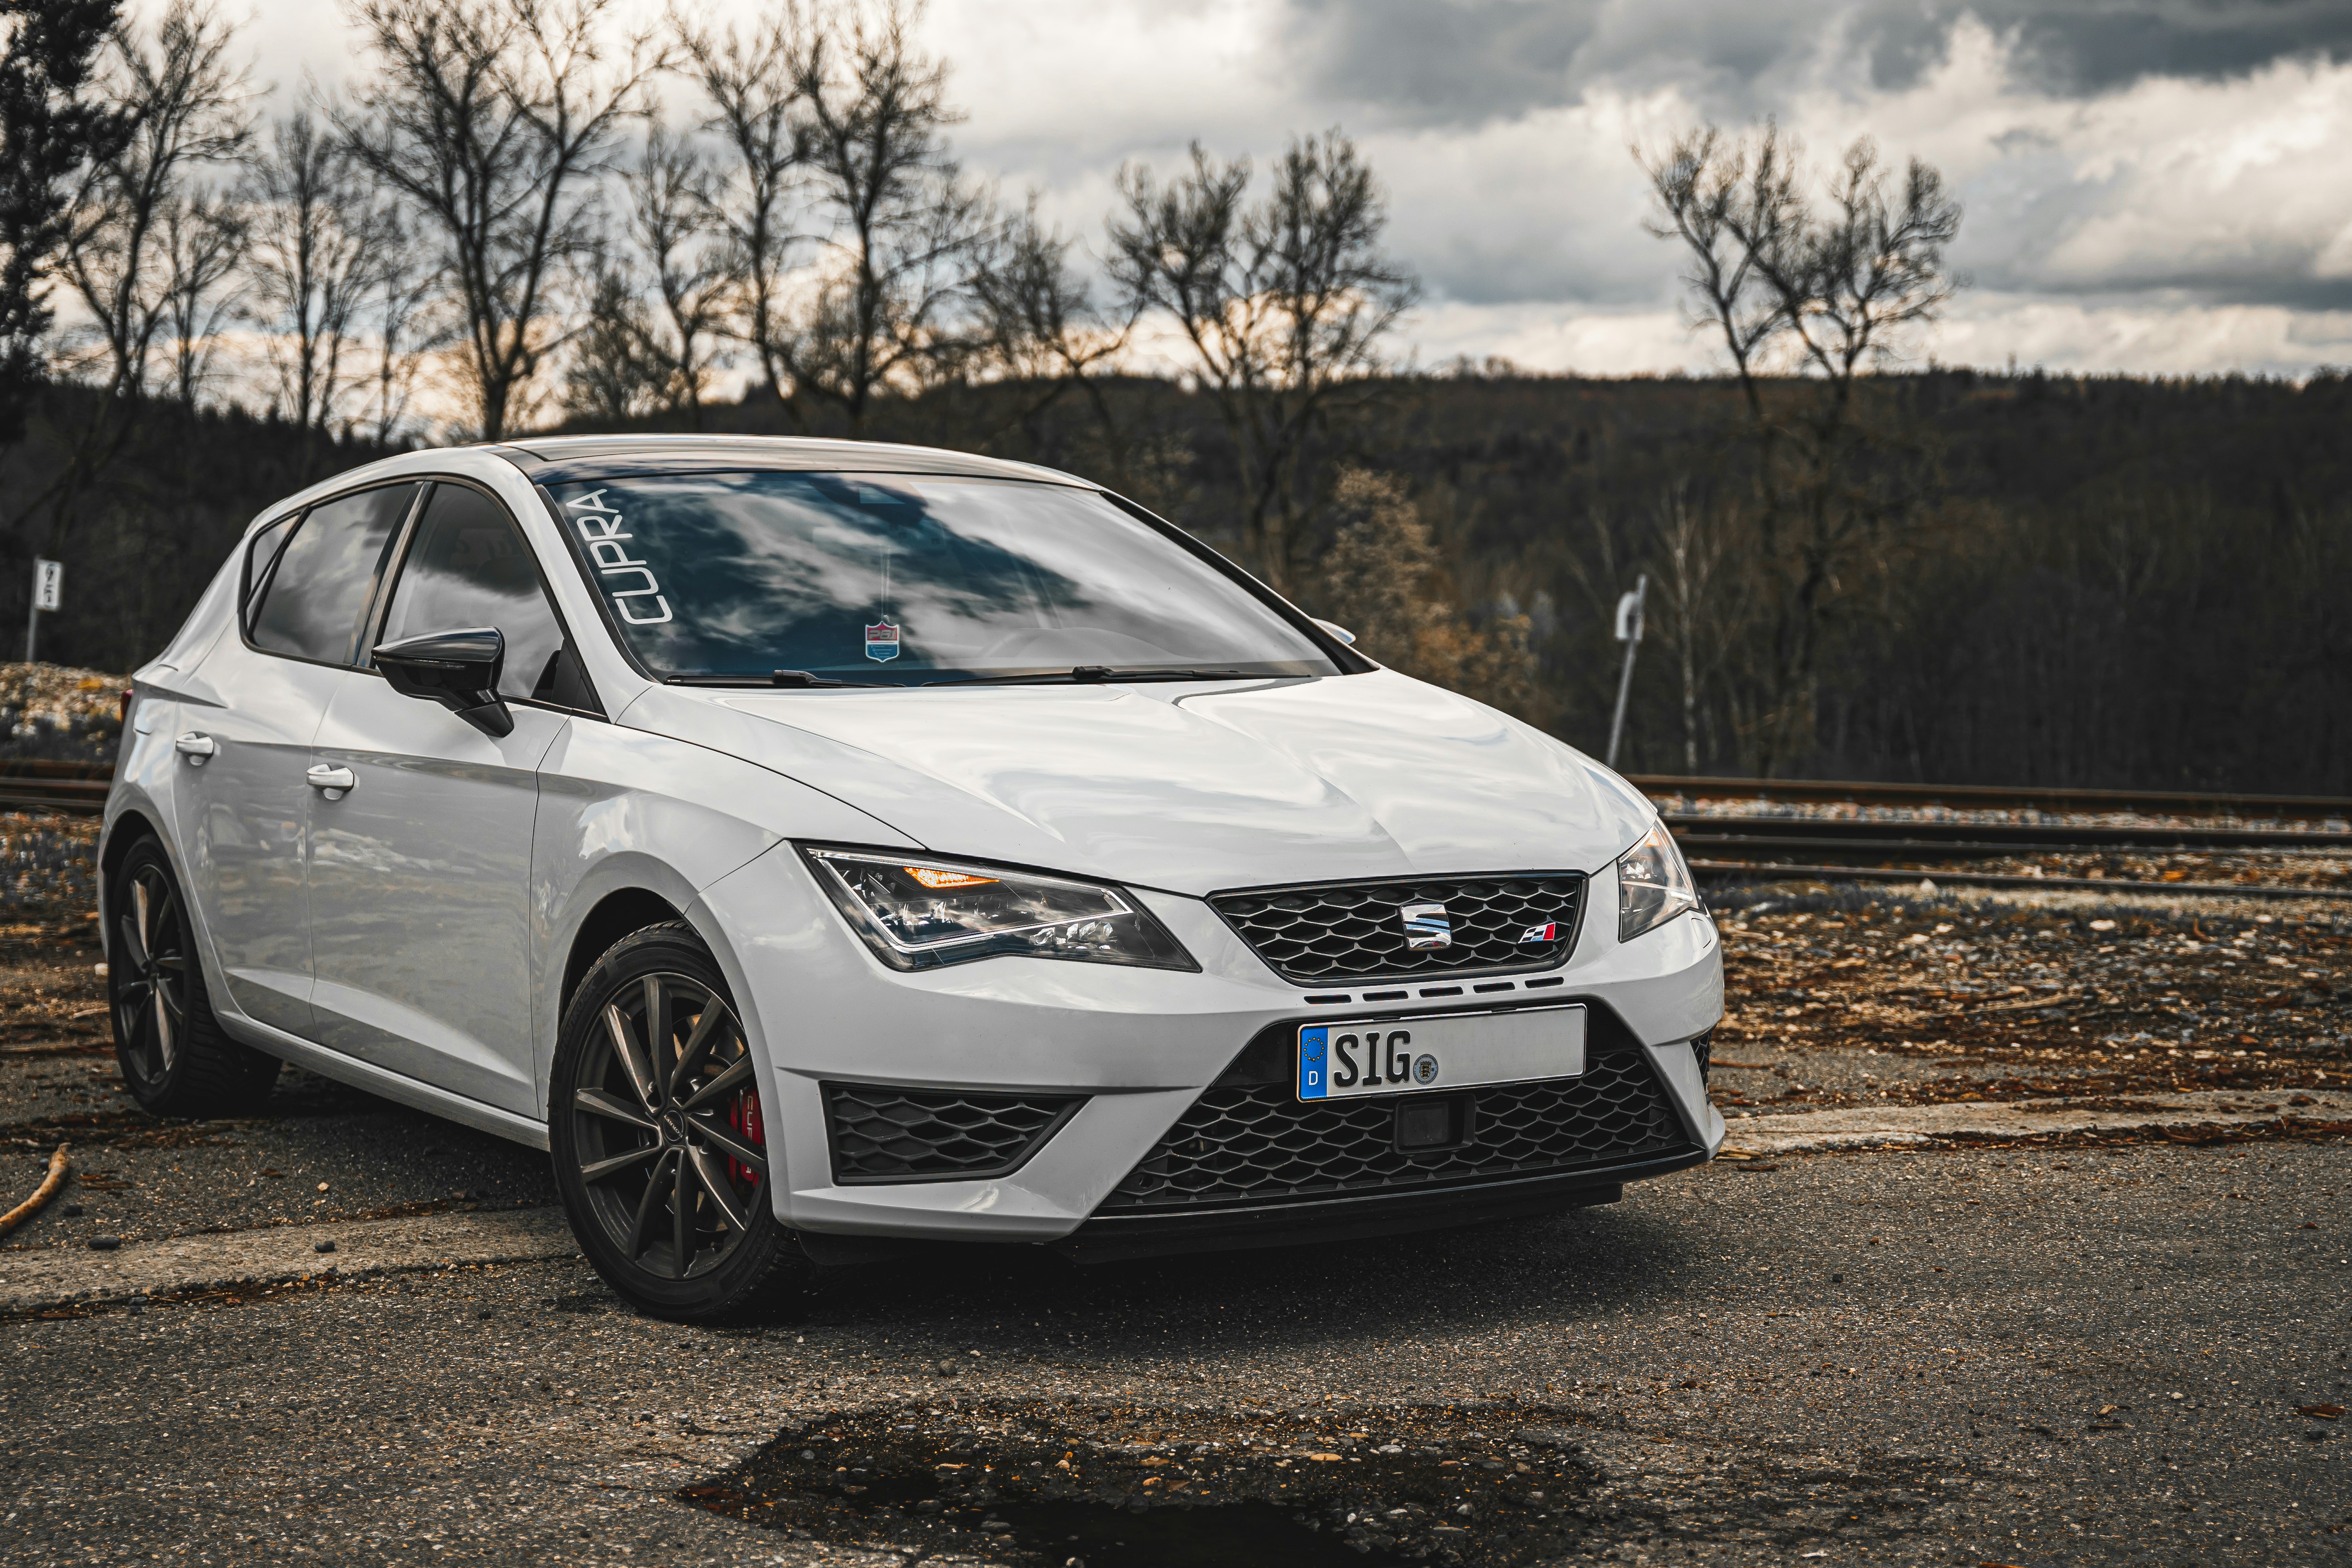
(391, 1086)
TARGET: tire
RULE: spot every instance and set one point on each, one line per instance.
(660, 1154)
(176, 1060)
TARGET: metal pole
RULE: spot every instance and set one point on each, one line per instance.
(1629, 632)
(32, 629)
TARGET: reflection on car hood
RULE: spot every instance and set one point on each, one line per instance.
(1189, 788)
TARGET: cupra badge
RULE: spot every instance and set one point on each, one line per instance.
(1426, 925)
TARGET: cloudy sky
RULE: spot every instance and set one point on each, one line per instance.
(2160, 187)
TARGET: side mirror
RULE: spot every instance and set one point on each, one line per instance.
(457, 670)
(1342, 633)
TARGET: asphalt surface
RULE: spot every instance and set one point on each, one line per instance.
(1962, 1353)
(2025, 1356)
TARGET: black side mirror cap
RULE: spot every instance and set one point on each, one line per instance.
(457, 670)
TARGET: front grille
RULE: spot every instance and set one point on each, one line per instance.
(1257, 1144)
(882, 1134)
(1355, 931)
(1702, 1048)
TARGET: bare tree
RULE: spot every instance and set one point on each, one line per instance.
(1702, 610)
(401, 308)
(615, 375)
(898, 224)
(751, 84)
(1283, 304)
(189, 107)
(1807, 301)
(492, 119)
(317, 242)
(1039, 324)
(201, 238)
(672, 206)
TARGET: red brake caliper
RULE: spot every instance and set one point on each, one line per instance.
(744, 1116)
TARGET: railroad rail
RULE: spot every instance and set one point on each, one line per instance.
(78, 789)
(2001, 797)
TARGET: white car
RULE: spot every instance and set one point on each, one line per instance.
(817, 844)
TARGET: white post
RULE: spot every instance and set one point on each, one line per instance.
(49, 579)
(1629, 632)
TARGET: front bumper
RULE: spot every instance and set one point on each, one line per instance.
(1135, 1049)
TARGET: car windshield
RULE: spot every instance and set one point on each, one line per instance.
(892, 580)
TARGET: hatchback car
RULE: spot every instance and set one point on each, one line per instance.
(822, 846)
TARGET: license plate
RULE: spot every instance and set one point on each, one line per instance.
(1458, 1051)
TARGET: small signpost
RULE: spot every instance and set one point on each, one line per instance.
(1629, 632)
(48, 588)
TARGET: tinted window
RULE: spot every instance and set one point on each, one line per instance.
(311, 601)
(904, 581)
(468, 567)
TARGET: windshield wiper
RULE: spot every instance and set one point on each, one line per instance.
(1096, 675)
(788, 678)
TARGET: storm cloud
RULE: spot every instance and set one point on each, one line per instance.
(2155, 186)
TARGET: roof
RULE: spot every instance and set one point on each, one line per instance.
(558, 460)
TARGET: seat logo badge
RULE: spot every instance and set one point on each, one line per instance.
(1425, 1070)
(1539, 934)
(1426, 925)
(881, 641)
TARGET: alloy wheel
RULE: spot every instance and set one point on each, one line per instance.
(150, 1002)
(667, 1126)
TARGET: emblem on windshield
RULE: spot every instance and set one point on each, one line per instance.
(881, 641)
(1426, 925)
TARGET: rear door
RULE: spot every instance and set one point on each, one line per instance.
(243, 799)
(420, 875)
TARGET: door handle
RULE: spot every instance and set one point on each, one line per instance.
(331, 781)
(195, 747)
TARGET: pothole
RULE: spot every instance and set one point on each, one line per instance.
(1041, 1483)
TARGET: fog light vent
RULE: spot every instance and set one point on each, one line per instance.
(885, 1134)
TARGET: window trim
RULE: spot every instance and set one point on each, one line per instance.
(375, 579)
(396, 559)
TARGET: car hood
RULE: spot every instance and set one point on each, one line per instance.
(1189, 788)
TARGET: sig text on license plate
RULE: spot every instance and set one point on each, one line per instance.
(1459, 1050)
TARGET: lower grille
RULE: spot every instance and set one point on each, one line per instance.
(1258, 1143)
(883, 1135)
(1702, 1048)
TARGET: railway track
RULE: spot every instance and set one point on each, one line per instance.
(1859, 849)
(76, 788)
(2001, 797)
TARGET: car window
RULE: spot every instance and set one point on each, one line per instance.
(907, 580)
(468, 566)
(312, 598)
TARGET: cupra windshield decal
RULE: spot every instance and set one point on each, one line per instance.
(600, 531)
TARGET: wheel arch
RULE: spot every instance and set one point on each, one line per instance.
(612, 917)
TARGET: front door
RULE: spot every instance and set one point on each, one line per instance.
(420, 873)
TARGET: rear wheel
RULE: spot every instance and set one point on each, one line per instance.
(655, 1124)
(175, 1056)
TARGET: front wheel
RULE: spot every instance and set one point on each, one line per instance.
(655, 1121)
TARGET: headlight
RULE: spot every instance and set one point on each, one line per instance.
(917, 913)
(1653, 885)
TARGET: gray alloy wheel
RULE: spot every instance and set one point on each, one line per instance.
(151, 1009)
(656, 1126)
(175, 1058)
